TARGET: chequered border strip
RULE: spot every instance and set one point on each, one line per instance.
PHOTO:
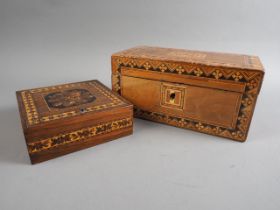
(78, 135)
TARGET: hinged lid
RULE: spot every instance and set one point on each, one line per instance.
(48, 105)
(198, 57)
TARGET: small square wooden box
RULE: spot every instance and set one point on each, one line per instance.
(213, 93)
(61, 119)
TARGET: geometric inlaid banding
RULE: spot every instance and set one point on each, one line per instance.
(78, 135)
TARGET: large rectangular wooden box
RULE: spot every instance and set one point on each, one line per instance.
(61, 119)
(213, 93)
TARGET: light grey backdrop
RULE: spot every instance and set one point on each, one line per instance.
(47, 42)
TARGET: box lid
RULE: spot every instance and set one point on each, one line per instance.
(234, 61)
(48, 106)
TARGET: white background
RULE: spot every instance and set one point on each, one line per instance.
(48, 42)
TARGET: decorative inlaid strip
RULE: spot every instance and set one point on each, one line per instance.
(252, 79)
(188, 124)
(78, 135)
(57, 87)
(186, 69)
(30, 108)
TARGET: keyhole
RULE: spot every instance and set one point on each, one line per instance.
(172, 97)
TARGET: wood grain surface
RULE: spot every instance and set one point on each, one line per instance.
(213, 93)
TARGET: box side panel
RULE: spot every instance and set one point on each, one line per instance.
(22, 113)
(23, 116)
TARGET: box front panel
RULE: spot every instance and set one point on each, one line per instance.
(213, 100)
(76, 139)
(212, 106)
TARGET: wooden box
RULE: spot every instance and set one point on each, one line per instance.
(61, 119)
(213, 93)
